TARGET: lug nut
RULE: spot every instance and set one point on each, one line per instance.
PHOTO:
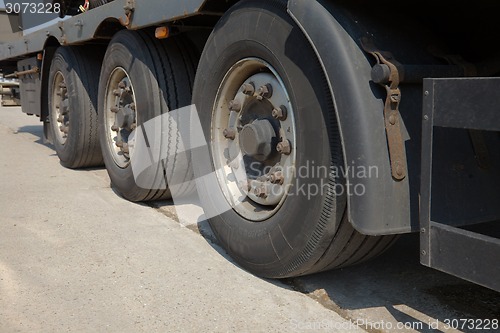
(234, 106)
(244, 185)
(117, 92)
(62, 85)
(125, 148)
(64, 129)
(115, 128)
(277, 178)
(133, 126)
(132, 106)
(64, 108)
(58, 106)
(229, 133)
(233, 164)
(265, 91)
(248, 88)
(60, 119)
(122, 85)
(114, 109)
(284, 147)
(119, 144)
(261, 192)
(280, 113)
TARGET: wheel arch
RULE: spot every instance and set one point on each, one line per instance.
(108, 28)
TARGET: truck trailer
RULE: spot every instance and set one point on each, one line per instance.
(351, 121)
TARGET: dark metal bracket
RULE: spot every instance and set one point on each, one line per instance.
(387, 63)
(129, 11)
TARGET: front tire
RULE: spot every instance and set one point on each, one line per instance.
(297, 232)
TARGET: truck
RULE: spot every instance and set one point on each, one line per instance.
(318, 131)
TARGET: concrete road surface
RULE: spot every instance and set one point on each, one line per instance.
(74, 256)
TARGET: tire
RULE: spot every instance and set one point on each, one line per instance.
(73, 79)
(305, 234)
(161, 74)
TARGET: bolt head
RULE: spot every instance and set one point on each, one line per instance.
(395, 98)
(235, 106)
(244, 185)
(280, 113)
(234, 164)
(399, 170)
(265, 91)
(261, 192)
(229, 133)
(392, 119)
(277, 178)
(284, 147)
(248, 89)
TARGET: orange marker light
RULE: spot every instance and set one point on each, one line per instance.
(162, 32)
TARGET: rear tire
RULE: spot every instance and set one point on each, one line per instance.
(160, 75)
(73, 80)
(304, 234)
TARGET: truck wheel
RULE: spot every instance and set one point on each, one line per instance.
(73, 79)
(141, 79)
(265, 106)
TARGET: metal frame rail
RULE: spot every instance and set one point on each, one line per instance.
(465, 103)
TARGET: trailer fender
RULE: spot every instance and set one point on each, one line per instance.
(377, 204)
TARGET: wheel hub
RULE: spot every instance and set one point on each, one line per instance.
(256, 139)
